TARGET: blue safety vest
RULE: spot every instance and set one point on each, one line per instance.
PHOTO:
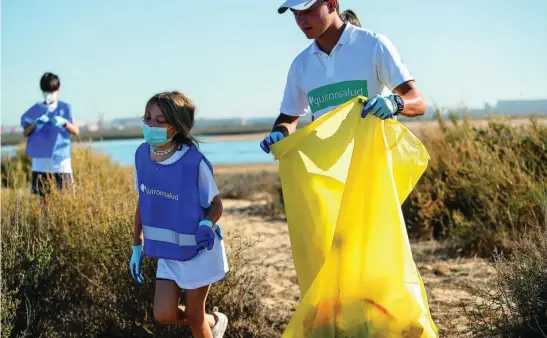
(49, 141)
(169, 204)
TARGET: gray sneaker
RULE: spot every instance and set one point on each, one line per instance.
(220, 325)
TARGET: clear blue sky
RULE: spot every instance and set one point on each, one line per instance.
(232, 58)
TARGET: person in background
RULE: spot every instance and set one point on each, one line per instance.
(48, 126)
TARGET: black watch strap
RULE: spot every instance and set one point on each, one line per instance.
(399, 103)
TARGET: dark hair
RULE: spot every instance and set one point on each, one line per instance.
(178, 110)
(349, 16)
(50, 82)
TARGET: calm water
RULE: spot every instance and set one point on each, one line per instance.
(218, 152)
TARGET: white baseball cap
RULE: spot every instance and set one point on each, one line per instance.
(298, 5)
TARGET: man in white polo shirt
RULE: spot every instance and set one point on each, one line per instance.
(344, 61)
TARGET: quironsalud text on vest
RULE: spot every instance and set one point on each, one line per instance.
(157, 192)
(169, 204)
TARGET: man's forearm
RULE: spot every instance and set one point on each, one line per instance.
(415, 104)
(286, 124)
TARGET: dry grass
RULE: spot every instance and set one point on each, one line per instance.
(515, 305)
(479, 191)
(66, 273)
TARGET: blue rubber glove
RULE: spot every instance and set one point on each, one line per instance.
(205, 236)
(136, 262)
(59, 121)
(271, 139)
(41, 121)
(383, 107)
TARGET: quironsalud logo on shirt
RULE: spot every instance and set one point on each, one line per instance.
(336, 93)
(160, 193)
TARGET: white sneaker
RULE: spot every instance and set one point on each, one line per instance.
(221, 323)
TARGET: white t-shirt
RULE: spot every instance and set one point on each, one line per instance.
(209, 266)
(50, 165)
(361, 63)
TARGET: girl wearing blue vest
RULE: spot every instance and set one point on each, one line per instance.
(343, 61)
(176, 217)
(48, 126)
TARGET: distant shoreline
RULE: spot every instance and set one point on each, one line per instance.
(242, 133)
(218, 134)
(238, 137)
(246, 167)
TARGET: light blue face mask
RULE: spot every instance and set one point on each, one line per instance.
(155, 136)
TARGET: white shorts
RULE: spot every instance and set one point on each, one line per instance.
(208, 267)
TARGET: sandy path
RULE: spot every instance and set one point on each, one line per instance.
(246, 167)
(272, 251)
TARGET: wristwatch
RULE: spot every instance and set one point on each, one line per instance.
(399, 103)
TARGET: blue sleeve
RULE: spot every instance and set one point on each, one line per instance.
(26, 118)
(68, 112)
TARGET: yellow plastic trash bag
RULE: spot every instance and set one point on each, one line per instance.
(344, 179)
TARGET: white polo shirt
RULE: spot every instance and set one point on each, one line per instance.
(361, 63)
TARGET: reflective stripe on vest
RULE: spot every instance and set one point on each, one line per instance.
(167, 236)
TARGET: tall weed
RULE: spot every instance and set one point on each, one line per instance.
(478, 191)
(516, 303)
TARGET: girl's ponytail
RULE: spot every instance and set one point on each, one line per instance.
(349, 16)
